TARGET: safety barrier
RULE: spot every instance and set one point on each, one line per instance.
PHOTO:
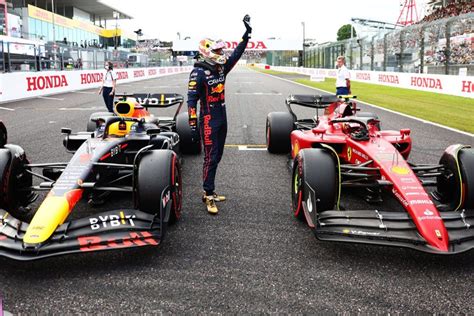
(462, 86)
(24, 85)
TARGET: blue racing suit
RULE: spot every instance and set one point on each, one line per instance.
(207, 84)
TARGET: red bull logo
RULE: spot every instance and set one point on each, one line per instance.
(218, 89)
(192, 113)
(207, 130)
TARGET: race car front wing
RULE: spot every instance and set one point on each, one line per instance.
(104, 231)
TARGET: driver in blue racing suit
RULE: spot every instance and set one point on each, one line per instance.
(207, 84)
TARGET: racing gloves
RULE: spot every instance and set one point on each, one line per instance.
(193, 125)
(248, 32)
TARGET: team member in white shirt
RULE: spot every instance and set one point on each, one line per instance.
(108, 86)
(343, 82)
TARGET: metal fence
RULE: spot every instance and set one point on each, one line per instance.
(16, 56)
(444, 46)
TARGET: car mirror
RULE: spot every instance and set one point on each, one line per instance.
(66, 131)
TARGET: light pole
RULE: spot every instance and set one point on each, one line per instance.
(303, 57)
(179, 35)
(116, 16)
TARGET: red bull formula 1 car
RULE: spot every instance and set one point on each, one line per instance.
(129, 151)
(344, 152)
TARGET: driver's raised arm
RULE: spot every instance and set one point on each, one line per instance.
(239, 50)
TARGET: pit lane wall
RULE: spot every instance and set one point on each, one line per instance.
(24, 85)
(462, 86)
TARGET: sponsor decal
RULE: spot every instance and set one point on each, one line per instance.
(349, 153)
(138, 73)
(360, 154)
(207, 130)
(218, 89)
(192, 83)
(217, 80)
(363, 76)
(192, 113)
(207, 73)
(438, 234)
(389, 79)
(407, 180)
(400, 170)
(92, 243)
(360, 232)
(250, 45)
(162, 71)
(152, 72)
(111, 221)
(400, 197)
(91, 78)
(122, 75)
(211, 98)
(46, 82)
(468, 86)
(423, 82)
(421, 202)
(428, 212)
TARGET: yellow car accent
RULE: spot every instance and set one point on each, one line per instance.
(115, 131)
(53, 212)
(131, 108)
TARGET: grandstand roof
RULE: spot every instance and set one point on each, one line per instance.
(96, 7)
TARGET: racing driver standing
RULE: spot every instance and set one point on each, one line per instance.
(207, 84)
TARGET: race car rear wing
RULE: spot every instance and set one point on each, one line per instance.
(151, 100)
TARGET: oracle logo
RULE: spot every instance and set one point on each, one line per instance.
(467, 86)
(363, 76)
(122, 75)
(389, 78)
(91, 78)
(46, 82)
(250, 45)
(426, 83)
(151, 72)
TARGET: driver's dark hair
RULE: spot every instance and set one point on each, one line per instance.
(111, 66)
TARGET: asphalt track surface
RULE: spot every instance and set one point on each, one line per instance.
(254, 256)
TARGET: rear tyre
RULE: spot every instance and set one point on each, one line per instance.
(91, 125)
(159, 170)
(316, 168)
(278, 131)
(456, 185)
(187, 145)
(15, 182)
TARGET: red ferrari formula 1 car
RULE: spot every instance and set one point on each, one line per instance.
(344, 152)
(129, 151)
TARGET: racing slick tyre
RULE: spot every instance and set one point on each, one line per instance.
(3, 134)
(158, 171)
(314, 168)
(187, 146)
(91, 125)
(456, 185)
(15, 182)
(370, 115)
(279, 127)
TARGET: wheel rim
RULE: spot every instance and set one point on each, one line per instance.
(297, 192)
(177, 190)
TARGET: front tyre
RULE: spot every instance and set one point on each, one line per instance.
(159, 179)
(456, 185)
(314, 169)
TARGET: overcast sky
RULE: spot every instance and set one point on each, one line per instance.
(223, 19)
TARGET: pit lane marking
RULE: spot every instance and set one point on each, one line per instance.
(51, 98)
(6, 109)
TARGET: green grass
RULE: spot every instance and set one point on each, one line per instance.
(452, 111)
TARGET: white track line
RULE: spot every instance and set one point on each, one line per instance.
(256, 93)
(51, 98)
(81, 109)
(6, 109)
(245, 148)
(379, 107)
(85, 92)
